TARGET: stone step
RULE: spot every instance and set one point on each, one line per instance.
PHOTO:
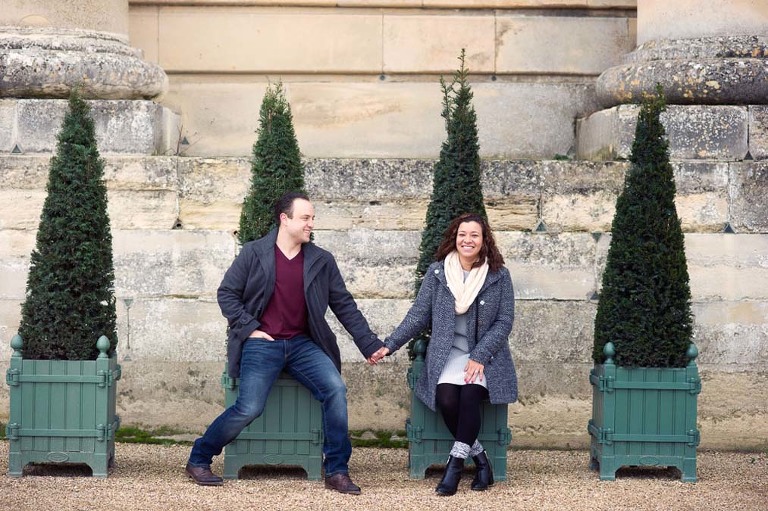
(544, 196)
(695, 132)
(30, 126)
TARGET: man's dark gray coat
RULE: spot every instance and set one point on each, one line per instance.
(249, 283)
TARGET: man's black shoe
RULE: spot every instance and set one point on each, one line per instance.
(203, 476)
(342, 484)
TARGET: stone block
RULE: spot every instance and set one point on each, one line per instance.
(20, 209)
(375, 247)
(340, 41)
(211, 192)
(512, 193)
(7, 124)
(170, 263)
(383, 316)
(748, 189)
(547, 110)
(758, 132)
(688, 20)
(173, 329)
(378, 282)
(142, 191)
(143, 209)
(180, 395)
(10, 317)
(143, 29)
(553, 332)
(694, 132)
(14, 281)
(123, 126)
(402, 215)
(23, 172)
(732, 336)
(369, 180)
(374, 263)
(579, 196)
(550, 266)
(702, 200)
(437, 53)
(372, 118)
(574, 44)
(727, 267)
(141, 172)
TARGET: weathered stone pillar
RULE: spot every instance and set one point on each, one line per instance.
(47, 47)
(701, 51)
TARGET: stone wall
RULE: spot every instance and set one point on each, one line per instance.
(173, 219)
(362, 76)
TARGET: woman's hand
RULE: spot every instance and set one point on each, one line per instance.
(378, 355)
(473, 372)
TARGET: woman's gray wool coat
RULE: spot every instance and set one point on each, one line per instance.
(489, 323)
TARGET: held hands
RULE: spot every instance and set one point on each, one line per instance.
(473, 372)
(378, 355)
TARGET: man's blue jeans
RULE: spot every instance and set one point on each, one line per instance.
(260, 365)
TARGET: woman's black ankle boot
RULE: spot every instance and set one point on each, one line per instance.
(451, 477)
(484, 476)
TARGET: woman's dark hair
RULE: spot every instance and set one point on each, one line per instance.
(285, 204)
(488, 251)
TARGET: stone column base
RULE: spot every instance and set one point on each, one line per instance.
(695, 132)
(31, 126)
(49, 63)
(705, 71)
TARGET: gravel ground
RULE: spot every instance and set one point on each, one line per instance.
(151, 477)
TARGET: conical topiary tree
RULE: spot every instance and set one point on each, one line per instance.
(276, 166)
(644, 306)
(456, 187)
(70, 298)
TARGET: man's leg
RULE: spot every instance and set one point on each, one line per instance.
(311, 367)
(260, 366)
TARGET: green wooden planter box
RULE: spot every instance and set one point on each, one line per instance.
(644, 417)
(289, 432)
(62, 411)
(429, 440)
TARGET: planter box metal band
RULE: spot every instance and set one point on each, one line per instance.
(288, 432)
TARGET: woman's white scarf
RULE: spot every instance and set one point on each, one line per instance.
(464, 291)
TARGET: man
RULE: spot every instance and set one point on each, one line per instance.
(274, 297)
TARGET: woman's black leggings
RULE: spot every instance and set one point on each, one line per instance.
(461, 409)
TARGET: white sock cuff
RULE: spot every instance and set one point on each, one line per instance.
(460, 450)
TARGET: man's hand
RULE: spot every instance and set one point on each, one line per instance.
(258, 334)
(378, 355)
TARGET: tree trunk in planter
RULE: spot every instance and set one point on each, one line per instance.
(62, 410)
(429, 440)
(644, 416)
(288, 432)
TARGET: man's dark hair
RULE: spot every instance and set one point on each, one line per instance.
(285, 204)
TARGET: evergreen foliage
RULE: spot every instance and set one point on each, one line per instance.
(276, 166)
(644, 307)
(70, 298)
(456, 187)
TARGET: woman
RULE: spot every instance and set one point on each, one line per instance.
(467, 298)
